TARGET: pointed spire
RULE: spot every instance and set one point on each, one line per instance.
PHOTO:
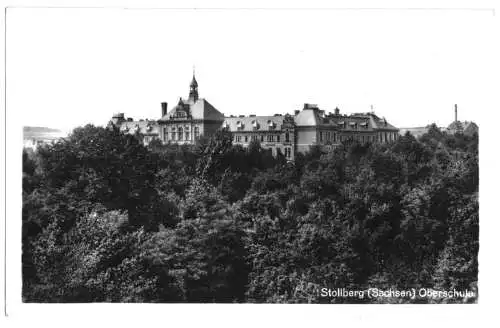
(193, 89)
(193, 81)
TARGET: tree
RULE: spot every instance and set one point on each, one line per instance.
(95, 261)
(107, 167)
(203, 258)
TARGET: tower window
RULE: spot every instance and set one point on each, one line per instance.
(287, 137)
(196, 132)
(179, 133)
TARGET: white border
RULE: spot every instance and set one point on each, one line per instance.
(249, 315)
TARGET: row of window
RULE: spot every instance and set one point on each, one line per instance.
(388, 136)
(330, 136)
(380, 137)
(180, 134)
(261, 138)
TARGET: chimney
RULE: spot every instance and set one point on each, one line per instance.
(456, 113)
(163, 109)
(297, 112)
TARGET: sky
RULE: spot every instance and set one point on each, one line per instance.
(69, 67)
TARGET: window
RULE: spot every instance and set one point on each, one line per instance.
(187, 135)
(179, 133)
(246, 138)
(278, 138)
(287, 137)
(173, 133)
(262, 138)
(238, 138)
(288, 152)
(269, 138)
(196, 132)
(165, 134)
(321, 136)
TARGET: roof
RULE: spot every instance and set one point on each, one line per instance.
(194, 83)
(200, 109)
(253, 123)
(307, 117)
(354, 121)
(143, 127)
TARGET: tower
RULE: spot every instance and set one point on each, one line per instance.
(193, 89)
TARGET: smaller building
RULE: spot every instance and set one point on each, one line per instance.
(466, 127)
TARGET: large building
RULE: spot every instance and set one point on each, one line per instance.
(286, 134)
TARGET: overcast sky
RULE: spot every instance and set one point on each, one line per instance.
(68, 67)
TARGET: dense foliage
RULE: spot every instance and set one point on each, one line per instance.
(106, 219)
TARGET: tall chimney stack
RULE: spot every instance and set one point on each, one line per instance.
(163, 109)
(456, 113)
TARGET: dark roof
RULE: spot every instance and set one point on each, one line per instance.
(143, 127)
(194, 83)
(253, 123)
(200, 109)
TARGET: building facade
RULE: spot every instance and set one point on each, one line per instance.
(281, 134)
(189, 119)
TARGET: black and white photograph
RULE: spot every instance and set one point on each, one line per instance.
(258, 155)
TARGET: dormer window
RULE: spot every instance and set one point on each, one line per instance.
(225, 125)
(271, 124)
(149, 127)
(239, 125)
(352, 125)
(255, 124)
(364, 124)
